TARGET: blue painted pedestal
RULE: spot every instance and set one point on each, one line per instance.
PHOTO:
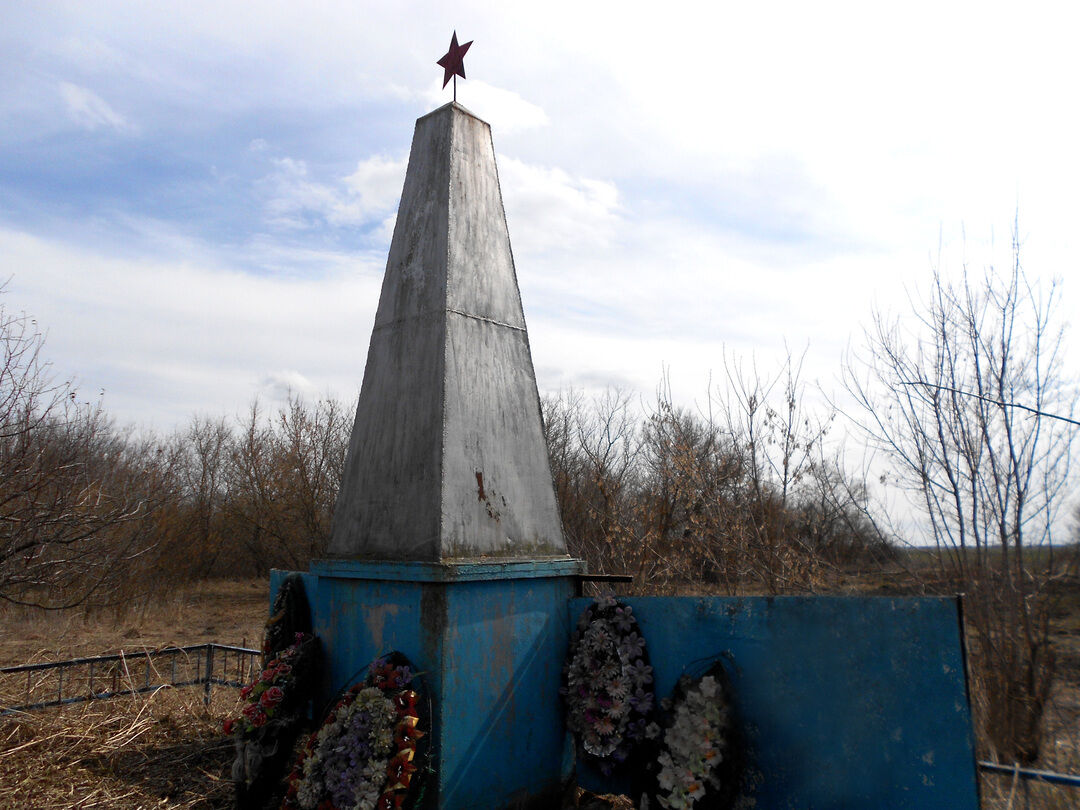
(490, 639)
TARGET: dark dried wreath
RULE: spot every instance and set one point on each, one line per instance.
(608, 686)
(273, 718)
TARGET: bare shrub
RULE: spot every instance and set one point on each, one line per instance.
(283, 476)
(593, 448)
(743, 499)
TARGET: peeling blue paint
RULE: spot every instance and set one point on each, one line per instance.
(490, 642)
(847, 702)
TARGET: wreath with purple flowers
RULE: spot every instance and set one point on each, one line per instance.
(608, 686)
(369, 753)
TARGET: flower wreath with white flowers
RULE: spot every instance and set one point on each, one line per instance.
(699, 763)
(608, 686)
(367, 755)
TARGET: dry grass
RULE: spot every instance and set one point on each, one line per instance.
(1061, 743)
(163, 750)
(160, 750)
(221, 611)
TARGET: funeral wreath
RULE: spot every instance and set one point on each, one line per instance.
(368, 753)
(608, 686)
(698, 764)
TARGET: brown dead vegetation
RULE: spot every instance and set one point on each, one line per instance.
(159, 750)
(162, 750)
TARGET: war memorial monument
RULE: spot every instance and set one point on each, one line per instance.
(447, 553)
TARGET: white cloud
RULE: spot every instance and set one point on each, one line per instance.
(92, 53)
(385, 231)
(652, 211)
(550, 210)
(167, 338)
(298, 201)
(376, 184)
(505, 110)
(278, 386)
(90, 111)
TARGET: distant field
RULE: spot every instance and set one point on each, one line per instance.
(221, 611)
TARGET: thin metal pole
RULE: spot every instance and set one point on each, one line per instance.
(1030, 774)
(209, 673)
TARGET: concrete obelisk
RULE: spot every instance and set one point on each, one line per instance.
(446, 542)
(447, 459)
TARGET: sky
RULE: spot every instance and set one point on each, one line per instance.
(196, 199)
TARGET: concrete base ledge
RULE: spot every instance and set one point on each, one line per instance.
(464, 571)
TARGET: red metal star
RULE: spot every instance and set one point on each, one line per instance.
(453, 64)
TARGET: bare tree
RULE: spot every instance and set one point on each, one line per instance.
(284, 472)
(693, 486)
(935, 394)
(312, 440)
(593, 447)
(741, 497)
(779, 444)
(200, 527)
(66, 498)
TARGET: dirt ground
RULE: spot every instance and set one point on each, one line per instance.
(166, 750)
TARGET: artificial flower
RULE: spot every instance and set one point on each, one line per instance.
(693, 745)
(275, 687)
(362, 756)
(606, 680)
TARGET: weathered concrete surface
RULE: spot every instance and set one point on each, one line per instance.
(447, 458)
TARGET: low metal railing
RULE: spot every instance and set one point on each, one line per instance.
(1031, 775)
(106, 676)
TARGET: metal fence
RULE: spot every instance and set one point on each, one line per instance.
(37, 686)
(1030, 774)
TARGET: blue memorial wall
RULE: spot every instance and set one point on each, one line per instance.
(841, 702)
